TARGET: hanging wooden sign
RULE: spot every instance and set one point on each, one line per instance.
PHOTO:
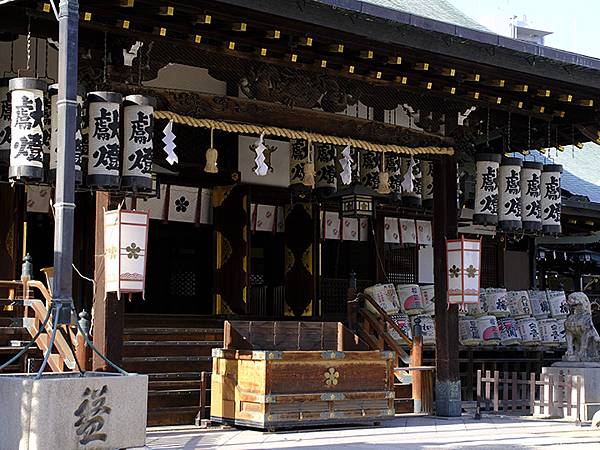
(125, 251)
(463, 260)
(27, 129)
(104, 161)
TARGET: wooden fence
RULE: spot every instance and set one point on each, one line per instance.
(523, 393)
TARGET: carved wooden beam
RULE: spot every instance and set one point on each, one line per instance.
(204, 106)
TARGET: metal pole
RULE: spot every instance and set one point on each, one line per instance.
(64, 207)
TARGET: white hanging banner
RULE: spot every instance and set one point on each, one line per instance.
(125, 251)
(350, 229)
(463, 258)
(331, 225)
(38, 199)
(424, 232)
(169, 141)
(263, 217)
(408, 231)
(551, 198)
(261, 168)
(27, 129)
(346, 163)
(183, 202)
(155, 206)
(391, 232)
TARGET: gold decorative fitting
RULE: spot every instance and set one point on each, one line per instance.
(586, 102)
(240, 26)
(287, 133)
(161, 31)
(231, 45)
(448, 72)
(127, 3)
(517, 104)
(273, 34)
(450, 90)
(197, 38)
(263, 52)
(305, 41)
(366, 54)
(46, 7)
(336, 48)
(293, 57)
(422, 66)
(401, 79)
(349, 69)
(496, 83)
(475, 77)
(520, 88)
(376, 74)
(560, 114)
(474, 95)
(166, 10)
(565, 98)
(426, 85)
(394, 60)
(331, 377)
(123, 24)
(323, 63)
(543, 93)
(87, 16)
(204, 19)
(539, 109)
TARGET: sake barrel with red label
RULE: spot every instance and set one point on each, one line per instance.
(509, 331)
(428, 297)
(488, 330)
(404, 323)
(385, 296)
(409, 296)
(530, 331)
(495, 302)
(549, 332)
(518, 304)
(558, 304)
(427, 328)
(468, 331)
(540, 309)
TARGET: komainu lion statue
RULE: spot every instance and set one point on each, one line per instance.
(583, 341)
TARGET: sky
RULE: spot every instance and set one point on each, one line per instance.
(574, 23)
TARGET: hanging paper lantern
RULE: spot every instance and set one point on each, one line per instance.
(104, 139)
(81, 137)
(4, 121)
(299, 158)
(531, 195)
(551, 198)
(485, 211)
(509, 198)
(393, 165)
(463, 259)
(427, 184)
(125, 244)
(138, 132)
(325, 170)
(369, 169)
(411, 182)
(27, 129)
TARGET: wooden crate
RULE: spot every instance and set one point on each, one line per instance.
(273, 389)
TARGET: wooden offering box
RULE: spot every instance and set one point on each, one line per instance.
(294, 376)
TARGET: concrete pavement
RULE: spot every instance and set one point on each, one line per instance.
(412, 432)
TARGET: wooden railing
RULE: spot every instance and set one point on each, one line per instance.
(34, 313)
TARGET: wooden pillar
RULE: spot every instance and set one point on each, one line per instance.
(447, 387)
(416, 360)
(109, 312)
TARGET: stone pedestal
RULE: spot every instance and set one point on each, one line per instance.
(590, 389)
(67, 411)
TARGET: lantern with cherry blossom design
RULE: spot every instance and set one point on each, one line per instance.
(125, 245)
(27, 129)
(463, 260)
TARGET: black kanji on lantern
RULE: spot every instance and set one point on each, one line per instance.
(489, 181)
(299, 150)
(5, 108)
(533, 185)
(5, 135)
(29, 113)
(512, 182)
(552, 212)
(142, 160)
(297, 172)
(30, 146)
(106, 125)
(327, 174)
(141, 128)
(534, 209)
(513, 206)
(107, 156)
(489, 203)
(553, 188)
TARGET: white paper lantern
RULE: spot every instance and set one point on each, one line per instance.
(138, 132)
(463, 258)
(551, 198)
(485, 211)
(509, 195)
(104, 139)
(531, 195)
(81, 137)
(393, 165)
(4, 121)
(125, 251)
(369, 169)
(27, 129)
(325, 168)
(53, 130)
(299, 160)
(427, 184)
